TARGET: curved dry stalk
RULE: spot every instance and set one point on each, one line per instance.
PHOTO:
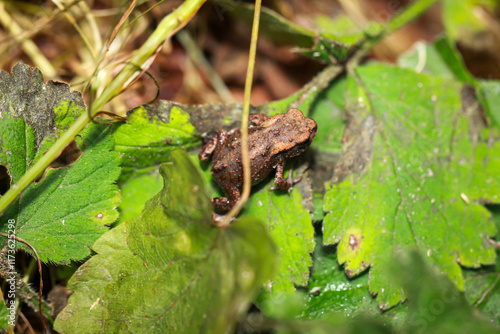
(245, 157)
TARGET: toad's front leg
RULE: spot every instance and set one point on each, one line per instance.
(212, 142)
(208, 148)
(224, 204)
(279, 180)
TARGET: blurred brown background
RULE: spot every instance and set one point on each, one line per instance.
(66, 45)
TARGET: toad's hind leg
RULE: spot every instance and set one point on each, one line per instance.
(224, 204)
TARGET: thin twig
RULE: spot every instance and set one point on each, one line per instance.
(26, 321)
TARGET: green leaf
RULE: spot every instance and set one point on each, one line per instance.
(288, 220)
(491, 91)
(4, 316)
(146, 141)
(342, 28)
(170, 269)
(482, 290)
(328, 112)
(425, 58)
(32, 113)
(495, 210)
(482, 285)
(290, 226)
(330, 291)
(151, 134)
(435, 305)
(453, 60)
(137, 190)
(64, 213)
(413, 169)
(442, 59)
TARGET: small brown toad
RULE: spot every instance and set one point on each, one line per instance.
(271, 142)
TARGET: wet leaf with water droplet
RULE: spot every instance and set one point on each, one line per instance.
(427, 163)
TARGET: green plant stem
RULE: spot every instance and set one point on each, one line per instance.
(409, 14)
(400, 20)
(37, 169)
(139, 61)
(245, 157)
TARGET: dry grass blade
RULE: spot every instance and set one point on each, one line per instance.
(247, 182)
